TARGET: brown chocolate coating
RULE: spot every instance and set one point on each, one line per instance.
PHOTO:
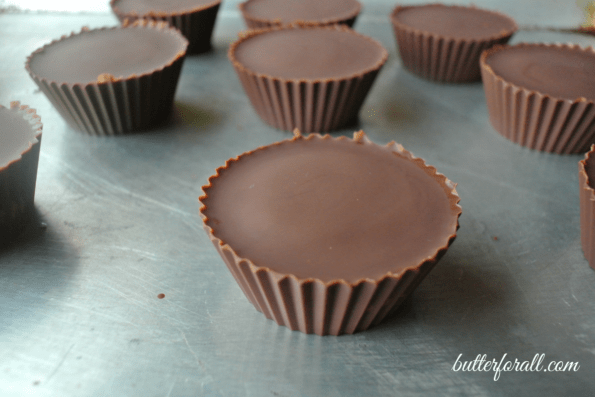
(15, 137)
(456, 22)
(330, 209)
(81, 58)
(288, 11)
(20, 140)
(143, 7)
(313, 54)
(586, 178)
(590, 170)
(561, 72)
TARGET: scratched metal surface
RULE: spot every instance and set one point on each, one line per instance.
(79, 313)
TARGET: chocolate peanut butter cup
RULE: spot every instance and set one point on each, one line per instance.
(314, 78)
(586, 181)
(329, 235)
(443, 43)
(111, 80)
(267, 13)
(541, 95)
(194, 18)
(19, 155)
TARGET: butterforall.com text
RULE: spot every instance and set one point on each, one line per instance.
(481, 364)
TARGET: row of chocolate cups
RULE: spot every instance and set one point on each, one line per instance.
(528, 108)
(195, 19)
(113, 89)
(538, 95)
(98, 108)
(120, 92)
(319, 102)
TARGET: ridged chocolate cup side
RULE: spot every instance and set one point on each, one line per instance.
(309, 105)
(18, 178)
(254, 22)
(440, 58)
(136, 102)
(196, 24)
(586, 176)
(534, 119)
(332, 308)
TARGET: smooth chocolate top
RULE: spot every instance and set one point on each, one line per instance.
(330, 209)
(455, 21)
(561, 72)
(16, 134)
(120, 52)
(143, 7)
(288, 11)
(309, 53)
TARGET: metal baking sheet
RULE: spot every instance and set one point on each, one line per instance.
(119, 225)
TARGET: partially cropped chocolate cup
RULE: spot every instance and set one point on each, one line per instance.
(314, 78)
(112, 80)
(586, 181)
(329, 235)
(194, 18)
(443, 43)
(260, 14)
(541, 95)
(20, 139)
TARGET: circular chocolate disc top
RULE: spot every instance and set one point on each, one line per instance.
(288, 11)
(455, 21)
(558, 71)
(119, 52)
(17, 135)
(145, 7)
(309, 53)
(331, 209)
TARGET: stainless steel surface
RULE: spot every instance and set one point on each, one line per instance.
(79, 307)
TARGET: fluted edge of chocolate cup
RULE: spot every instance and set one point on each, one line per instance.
(534, 119)
(587, 207)
(196, 23)
(262, 23)
(18, 178)
(443, 58)
(130, 103)
(346, 307)
(311, 105)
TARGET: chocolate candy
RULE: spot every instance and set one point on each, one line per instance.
(112, 80)
(311, 78)
(444, 43)
(334, 215)
(541, 95)
(20, 141)
(195, 19)
(564, 72)
(266, 13)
